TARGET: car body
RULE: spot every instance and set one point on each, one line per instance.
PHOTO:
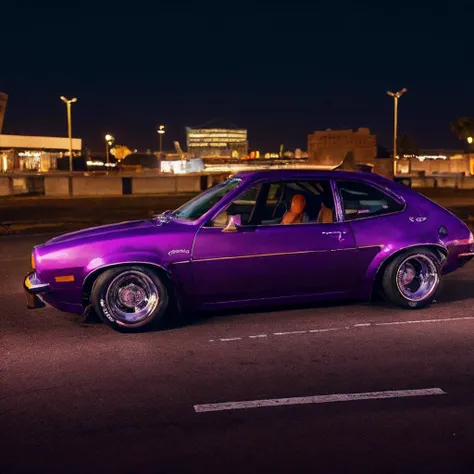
(231, 247)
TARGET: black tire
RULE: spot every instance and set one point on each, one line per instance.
(395, 276)
(117, 290)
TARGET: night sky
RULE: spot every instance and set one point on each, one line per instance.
(281, 70)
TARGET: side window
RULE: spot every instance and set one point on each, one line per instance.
(361, 200)
(244, 206)
(297, 202)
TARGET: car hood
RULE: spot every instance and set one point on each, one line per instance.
(102, 231)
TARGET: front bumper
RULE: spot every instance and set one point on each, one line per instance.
(33, 287)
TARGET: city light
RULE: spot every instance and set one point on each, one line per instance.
(396, 96)
(161, 132)
(109, 140)
(68, 103)
(34, 154)
(469, 140)
(100, 163)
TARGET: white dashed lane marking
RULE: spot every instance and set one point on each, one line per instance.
(342, 328)
(316, 399)
(288, 333)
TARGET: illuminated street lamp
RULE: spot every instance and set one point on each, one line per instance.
(109, 140)
(470, 140)
(68, 103)
(161, 132)
(396, 96)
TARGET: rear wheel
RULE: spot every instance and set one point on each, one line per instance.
(129, 298)
(411, 280)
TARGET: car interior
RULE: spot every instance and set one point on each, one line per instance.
(283, 203)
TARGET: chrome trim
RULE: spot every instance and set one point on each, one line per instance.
(466, 255)
(276, 254)
(337, 201)
(131, 298)
(381, 246)
(432, 287)
(35, 287)
(254, 226)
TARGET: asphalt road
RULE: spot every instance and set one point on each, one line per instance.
(76, 397)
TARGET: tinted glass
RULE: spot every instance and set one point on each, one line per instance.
(198, 206)
(361, 200)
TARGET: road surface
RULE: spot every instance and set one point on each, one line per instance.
(331, 389)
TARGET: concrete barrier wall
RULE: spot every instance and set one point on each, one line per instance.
(56, 185)
(168, 184)
(19, 185)
(160, 185)
(5, 186)
(188, 184)
(97, 186)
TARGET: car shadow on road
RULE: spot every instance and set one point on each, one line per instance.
(204, 317)
(453, 290)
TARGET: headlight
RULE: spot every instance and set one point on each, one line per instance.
(33, 263)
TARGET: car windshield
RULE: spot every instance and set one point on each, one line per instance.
(198, 206)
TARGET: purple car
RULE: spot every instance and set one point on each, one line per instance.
(261, 237)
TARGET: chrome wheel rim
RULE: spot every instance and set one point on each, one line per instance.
(131, 297)
(417, 277)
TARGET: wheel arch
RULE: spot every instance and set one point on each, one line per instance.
(439, 250)
(92, 276)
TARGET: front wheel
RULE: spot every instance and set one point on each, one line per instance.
(129, 298)
(411, 280)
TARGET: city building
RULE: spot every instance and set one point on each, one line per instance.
(330, 147)
(216, 142)
(436, 162)
(29, 153)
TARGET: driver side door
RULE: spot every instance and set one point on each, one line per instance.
(259, 261)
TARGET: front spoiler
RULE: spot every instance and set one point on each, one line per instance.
(32, 288)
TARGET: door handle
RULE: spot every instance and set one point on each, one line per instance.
(339, 233)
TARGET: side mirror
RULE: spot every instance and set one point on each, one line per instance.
(233, 224)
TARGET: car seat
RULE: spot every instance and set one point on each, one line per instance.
(295, 214)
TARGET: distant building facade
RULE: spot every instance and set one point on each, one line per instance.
(216, 142)
(436, 162)
(29, 153)
(330, 147)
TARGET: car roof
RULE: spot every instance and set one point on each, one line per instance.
(310, 173)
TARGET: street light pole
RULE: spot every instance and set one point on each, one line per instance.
(108, 141)
(68, 103)
(396, 96)
(161, 132)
